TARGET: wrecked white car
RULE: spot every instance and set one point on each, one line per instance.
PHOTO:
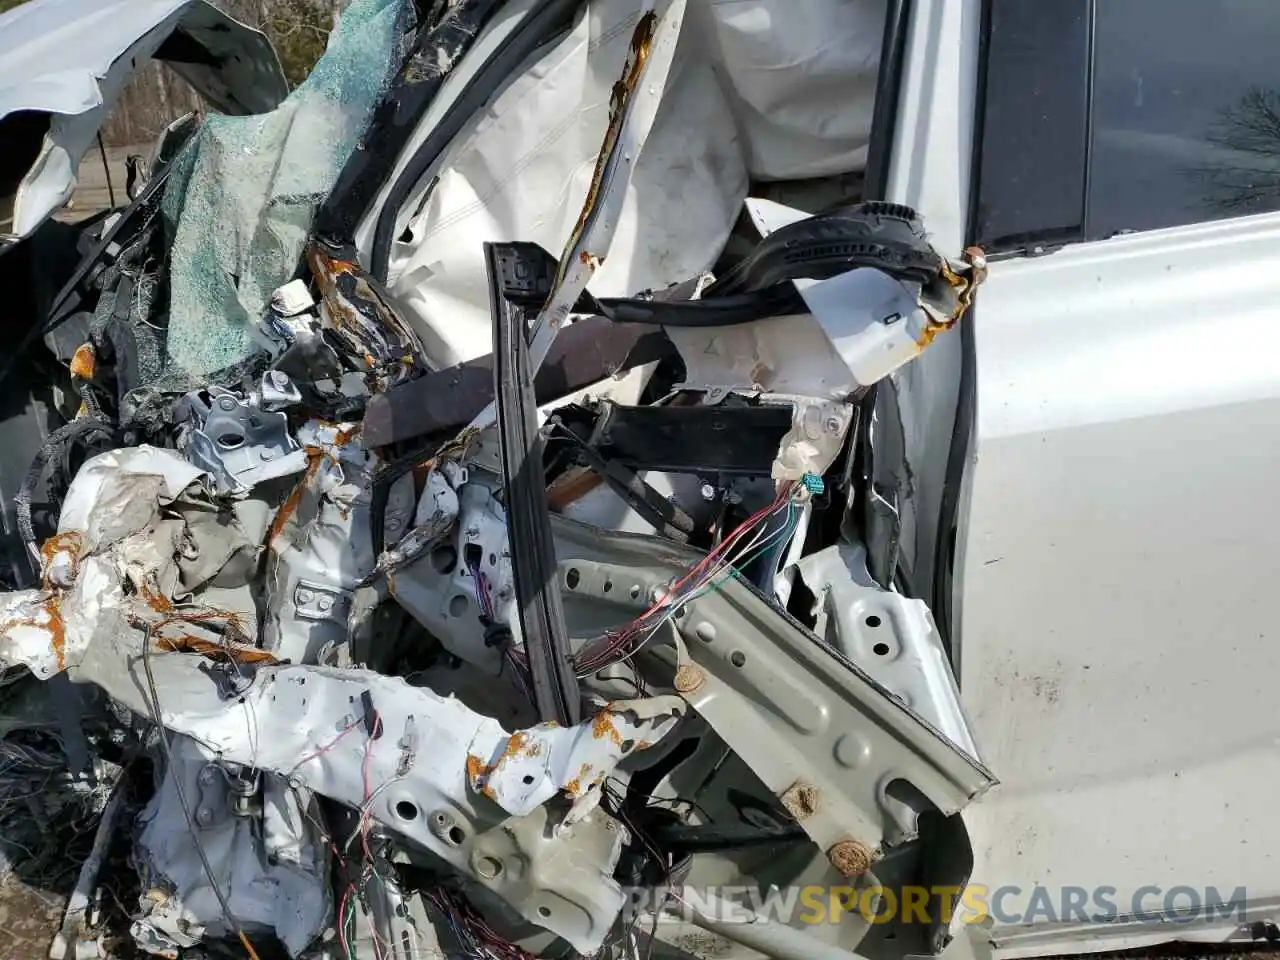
(477, 504)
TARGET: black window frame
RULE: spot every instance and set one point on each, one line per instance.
(1006, 119)
(1040, 119)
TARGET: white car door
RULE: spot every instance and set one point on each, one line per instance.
(1118, 534)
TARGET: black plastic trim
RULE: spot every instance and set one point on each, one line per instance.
(533, 560)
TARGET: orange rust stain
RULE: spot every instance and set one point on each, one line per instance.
(70, 540)
(571, 487)
(156, 600)
(602, 726)
(477, 770)
(574, 787)
(344, 437)
(641, 44)
(54, 626)
(513, 748)
(931, 332)
(208, 648)
(290, 505)
(57, 632)
(84, 362)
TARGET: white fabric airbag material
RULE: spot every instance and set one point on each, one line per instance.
(522, 170)
(767, 89)
(801, 79)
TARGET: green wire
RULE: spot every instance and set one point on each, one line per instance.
(735, 570)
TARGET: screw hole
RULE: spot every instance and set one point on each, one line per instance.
(488, 867)
(635, 592)
(528, 781)
(544, 912)
(608, 586)
(407, 810)
(572, 578)
(457, 835)
(229, 441)
(881, 649)
(873, 621)
(738, 658)
(444, 560)
(458, 606)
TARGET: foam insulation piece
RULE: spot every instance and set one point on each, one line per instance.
(242, 197)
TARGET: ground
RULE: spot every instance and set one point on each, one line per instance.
(28, 920)
(92, 195)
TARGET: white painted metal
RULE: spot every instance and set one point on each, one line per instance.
(73, 58)
(1118, 561)
(932, 153)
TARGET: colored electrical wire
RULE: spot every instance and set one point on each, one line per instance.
(731, 554)
(736, 552)
(474, 935)
(325, 749)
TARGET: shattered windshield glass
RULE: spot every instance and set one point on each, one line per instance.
(240, 201)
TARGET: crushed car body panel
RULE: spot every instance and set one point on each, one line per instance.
(233, 67)
(387, 686)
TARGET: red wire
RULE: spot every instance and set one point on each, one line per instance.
(327, 747)
(342, 913)
(711, 557)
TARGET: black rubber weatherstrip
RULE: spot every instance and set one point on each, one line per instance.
(427, 66)
(889, 237)
(720, 312)
(536, 29)
(533, 559)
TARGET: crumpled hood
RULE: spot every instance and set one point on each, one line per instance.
(70, 59)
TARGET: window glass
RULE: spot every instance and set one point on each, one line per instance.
(1186, 113)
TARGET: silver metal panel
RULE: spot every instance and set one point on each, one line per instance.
(1117, 566)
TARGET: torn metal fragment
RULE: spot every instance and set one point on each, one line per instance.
(424, 767)
(633, 110)
(278, 883)
(241, 442)
(321, 544)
